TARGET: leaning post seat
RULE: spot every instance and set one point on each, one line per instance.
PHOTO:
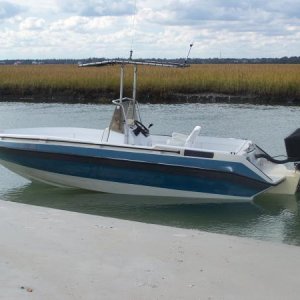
(190, 141)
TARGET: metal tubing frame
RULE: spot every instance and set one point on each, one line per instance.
(121, 82)
(126, 133)
(134, 83)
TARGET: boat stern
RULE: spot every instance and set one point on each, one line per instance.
(290, 184)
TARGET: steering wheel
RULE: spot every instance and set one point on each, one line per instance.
(140, 128)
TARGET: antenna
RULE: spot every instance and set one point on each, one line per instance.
(187, 57)
(130, 56)
(133, 29)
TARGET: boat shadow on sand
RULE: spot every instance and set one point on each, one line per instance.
(269, 217)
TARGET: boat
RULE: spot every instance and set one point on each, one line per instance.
(125, 158)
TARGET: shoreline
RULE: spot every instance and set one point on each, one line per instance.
(53, 254)
(168, 98)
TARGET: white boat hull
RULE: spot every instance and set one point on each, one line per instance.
(288, 186)
(75, 158)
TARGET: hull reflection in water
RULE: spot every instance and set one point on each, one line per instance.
(273, 218)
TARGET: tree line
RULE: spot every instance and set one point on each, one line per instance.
(281, 60)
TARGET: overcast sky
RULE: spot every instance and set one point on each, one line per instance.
(154, 28)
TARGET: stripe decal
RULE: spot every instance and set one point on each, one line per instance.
(185, 161)
(147, 173)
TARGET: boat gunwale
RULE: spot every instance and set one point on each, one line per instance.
(124, 160)
(270, 181)
(156, 147)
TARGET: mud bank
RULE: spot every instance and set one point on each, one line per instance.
(92, 96)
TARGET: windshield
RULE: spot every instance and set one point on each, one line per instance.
(127, 107)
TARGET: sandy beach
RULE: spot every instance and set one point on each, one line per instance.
(52, 254)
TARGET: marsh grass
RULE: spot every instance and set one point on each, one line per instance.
(260, 80)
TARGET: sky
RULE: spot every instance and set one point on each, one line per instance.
(39, 29)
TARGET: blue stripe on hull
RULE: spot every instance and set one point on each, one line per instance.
(139, 173)
(210, 164)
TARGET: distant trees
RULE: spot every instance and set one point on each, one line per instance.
(281, 60)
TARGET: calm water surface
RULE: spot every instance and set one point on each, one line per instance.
(274, 218)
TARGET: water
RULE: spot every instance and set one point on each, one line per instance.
(273, 218)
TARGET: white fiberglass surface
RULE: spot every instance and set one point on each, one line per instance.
(95, 136)
(204, 143)
(69, 133)
(220, 144)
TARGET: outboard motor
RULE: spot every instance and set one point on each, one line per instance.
(292, 145)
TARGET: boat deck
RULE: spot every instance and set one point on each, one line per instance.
(94, 136)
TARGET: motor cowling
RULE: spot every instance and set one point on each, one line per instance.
(292, 145)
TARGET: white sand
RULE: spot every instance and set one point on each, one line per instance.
(67, 255)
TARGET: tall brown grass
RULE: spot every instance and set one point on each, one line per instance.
(260, 80)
